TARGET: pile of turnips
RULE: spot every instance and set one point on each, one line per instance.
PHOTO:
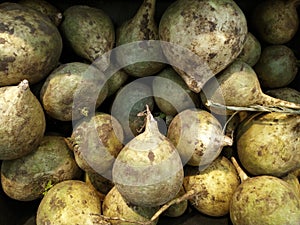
(140, 121)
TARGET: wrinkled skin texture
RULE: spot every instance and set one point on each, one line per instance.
(214, 186)
(114, 205)
(215, 35)
(69, 202)
(30, 44)
(22, 121)
(265, 200)
(269, 143)
(25, 178)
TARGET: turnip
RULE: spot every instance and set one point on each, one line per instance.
(89, 31)
(238, 88)
(214, 186)
(251, 51)
(122, 212)
(26, 178)
(22, 121)
(205, 143)
(69, 202)
(30, 45)
(203, 37)
(265, 200)
(276, 21)
(268, 143)
(141, 27)
(148, 171)
(277, 66)
(96, 142)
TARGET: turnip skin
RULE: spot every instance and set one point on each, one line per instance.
(207, 141)
(31, 44)
(238, 86)
(203, 42)
(214, 186)
(148, 166)
(277, 66)
(264, 200)
(285, 93)
(69, 202)
(268, 143)
(26, 178)
(22, 121)
(275, 21)
(115, 206)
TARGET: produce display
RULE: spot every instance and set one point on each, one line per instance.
(167, 112)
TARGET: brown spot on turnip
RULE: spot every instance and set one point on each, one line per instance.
(151, 156)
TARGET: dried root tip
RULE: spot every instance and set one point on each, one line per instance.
(228, 141)
(24, 85)
(243, 176)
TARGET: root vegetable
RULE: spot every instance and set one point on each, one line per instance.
(264, 200)
(276, 21)
(171, 94)
(69, 202)
(238, 88)
(72, 91)
(30, 44)
(214, 186)
(89, 31)
(45, 8)
(201, 43)
(277, 66)
(141, 27)
(26, 178)
(22, 121)
(251, 51)
(205, 143)
(148, 170)
(178, 209)
(122, 212)
(96, 142)
(268, 143)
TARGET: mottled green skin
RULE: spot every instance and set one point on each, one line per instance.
(89, 31)
(276, 67)
(171, 94)
(30, 44)
(69, 202)
(97, 142)
(265, 200)
(269, 143)
(72, 91)
(25, 178)
(116, 81)
(114, 205)
(207, 141)
(46, 8)
(275, 21)
(139, 28)
(285, 93)
(148, 170)
(101, 183)
(22, 121)
(251, 51)
(214, 186)
(215, 35)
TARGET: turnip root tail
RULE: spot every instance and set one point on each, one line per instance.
(269, 101)
(243, 176)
